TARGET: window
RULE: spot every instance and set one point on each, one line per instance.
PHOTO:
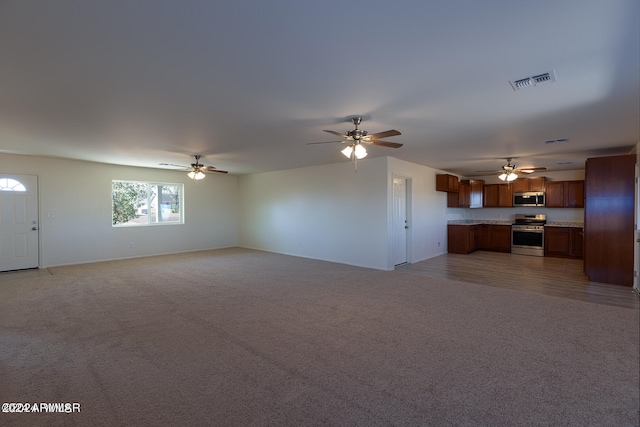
(146, 203)
(8, 184)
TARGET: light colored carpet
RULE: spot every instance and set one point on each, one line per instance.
(238, 337)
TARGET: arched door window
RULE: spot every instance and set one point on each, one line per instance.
(9, 184)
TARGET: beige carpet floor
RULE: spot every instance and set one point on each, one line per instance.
(237, 337)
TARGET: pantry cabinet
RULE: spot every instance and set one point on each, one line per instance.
(609, 219)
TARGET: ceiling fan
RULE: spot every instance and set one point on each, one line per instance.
(196, 170)
(510, 172)
(356, 137)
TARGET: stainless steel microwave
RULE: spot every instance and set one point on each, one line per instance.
(528, 199)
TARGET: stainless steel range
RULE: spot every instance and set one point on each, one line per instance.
(527, 234)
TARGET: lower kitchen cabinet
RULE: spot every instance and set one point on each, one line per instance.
(563, 242)
(500, 238)
(464, 239)
(461, 239)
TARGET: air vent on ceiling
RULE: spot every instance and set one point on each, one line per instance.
(556, 141)
(533, 80)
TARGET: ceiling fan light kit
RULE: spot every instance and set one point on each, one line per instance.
(196, 175)
(356, 150)
(508, 176)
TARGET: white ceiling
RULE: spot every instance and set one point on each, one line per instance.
(248, 83)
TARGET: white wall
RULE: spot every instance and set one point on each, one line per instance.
(329, 212)
(428, 216)
(78, 194)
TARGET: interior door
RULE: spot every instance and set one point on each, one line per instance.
(399, 221)
(18, 222)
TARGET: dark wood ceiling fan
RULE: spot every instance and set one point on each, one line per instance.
(509, 169)
(196, 168)
(358, 136)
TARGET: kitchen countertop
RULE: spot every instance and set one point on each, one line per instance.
(479, 221)
(576, 224)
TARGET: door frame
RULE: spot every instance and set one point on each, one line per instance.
(14, 175)
(409, 215)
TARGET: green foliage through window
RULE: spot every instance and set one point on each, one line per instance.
(144, 203)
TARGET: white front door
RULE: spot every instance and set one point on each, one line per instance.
(18, 222)
(399, 221)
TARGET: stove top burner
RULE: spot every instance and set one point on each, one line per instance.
(530, 219)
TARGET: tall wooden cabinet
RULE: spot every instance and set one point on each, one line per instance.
(608, 219)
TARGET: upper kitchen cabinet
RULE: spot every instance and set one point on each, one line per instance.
(475, 194)
(565, 194)
(446, 182)
(497, 196)
(469, 194)
(609, 219)
(524, 185)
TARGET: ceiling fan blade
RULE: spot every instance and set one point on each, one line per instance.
(385, 144)
(326, 142)
(214, 170)
(384, 134)
(337, 133)
(176, 166)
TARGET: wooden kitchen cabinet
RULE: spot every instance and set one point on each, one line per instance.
(609, 219)
(577, 240)
(563, 242)
(446, 182)
(565, 194)
(461, 239)
(497, 196)
(500, 238)
(461, 198)
(524, 185)
(469, 194)
(464, 239)
(484, 237)
(475, 193)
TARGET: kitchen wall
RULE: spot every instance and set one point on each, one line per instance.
(553, 214)
(78, 196)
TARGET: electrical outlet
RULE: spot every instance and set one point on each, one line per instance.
(130, 244)
(438, 244)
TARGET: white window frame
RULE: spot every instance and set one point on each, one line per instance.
(149, 222)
